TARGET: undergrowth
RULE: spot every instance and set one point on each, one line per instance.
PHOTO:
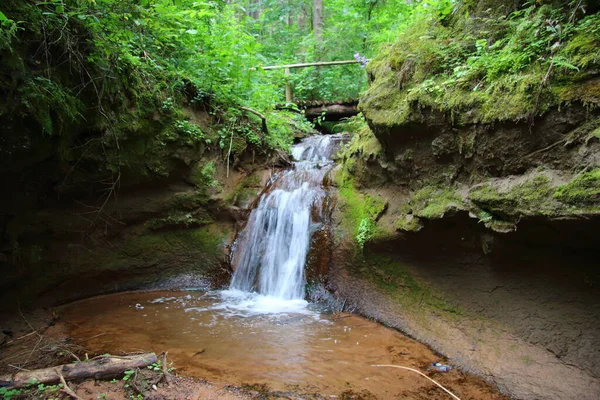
(485, 68)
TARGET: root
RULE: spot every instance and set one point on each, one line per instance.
(165, 369)
(422, 374)
(66, 389)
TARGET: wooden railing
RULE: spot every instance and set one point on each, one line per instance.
(287, 67)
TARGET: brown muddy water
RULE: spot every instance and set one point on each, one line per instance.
(225, 338)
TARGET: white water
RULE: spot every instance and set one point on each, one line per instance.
(270, 253)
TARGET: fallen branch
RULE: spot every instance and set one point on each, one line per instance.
(107, 367)
(66, 389)
(261, 116)
(422, 374)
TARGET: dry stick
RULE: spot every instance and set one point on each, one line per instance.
(21, 337)
(66, 389)
(230, 146)
(134, 384)
(420, 373)
(165, 369)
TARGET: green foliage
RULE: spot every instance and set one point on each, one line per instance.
(351, 27)
(482, 69)
(8, 31)
(284, 126)
(204, 176)
(124, 70)
(9, 394)
(189, 130)
(584, 189)
(50, 104)
(156, 367)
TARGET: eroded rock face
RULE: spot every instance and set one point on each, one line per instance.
(487, 247)
(169, 232)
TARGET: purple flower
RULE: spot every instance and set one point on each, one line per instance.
(361, 59)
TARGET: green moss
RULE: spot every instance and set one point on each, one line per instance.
(583, 190)
(201, 246)
(482, 70)
(409, 223)
(532, 197)
(432, 202)
(244, 191)
(359, 211)
(582, 49)
(408, 290)
(364, 144)
(179, 219)
(188, 200)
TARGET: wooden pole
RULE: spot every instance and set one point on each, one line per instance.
(288, 86)
(313, 64)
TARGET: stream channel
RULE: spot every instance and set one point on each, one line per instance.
(261, 330)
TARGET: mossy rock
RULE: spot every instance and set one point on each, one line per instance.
(432, 202)
(584, 190)
(481, 71)
(532, 197)
(409, 223)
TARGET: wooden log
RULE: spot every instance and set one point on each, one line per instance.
(104, 367)
(333, 112)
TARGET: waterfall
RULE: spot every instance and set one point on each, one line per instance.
(270, 252)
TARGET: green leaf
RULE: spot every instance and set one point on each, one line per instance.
(60, 9)
(3, 17)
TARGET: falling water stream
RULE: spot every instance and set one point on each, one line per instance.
(262, 330)
(270, 252)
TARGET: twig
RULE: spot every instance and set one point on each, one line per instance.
(19, 368)
(134, 385)
(553, 145)
(420, 373)
(165, 369)
(31, 327)
(34, 349)
(66, 389)
(21, 337)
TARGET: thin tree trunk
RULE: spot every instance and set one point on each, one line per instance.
(318, 20)
(255, 9)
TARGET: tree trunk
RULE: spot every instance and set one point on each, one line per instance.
(318, 20)
(105, 367)
(255, 9)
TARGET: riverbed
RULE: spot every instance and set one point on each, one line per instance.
(236, 338)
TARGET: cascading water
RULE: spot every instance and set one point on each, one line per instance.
(270, 252)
